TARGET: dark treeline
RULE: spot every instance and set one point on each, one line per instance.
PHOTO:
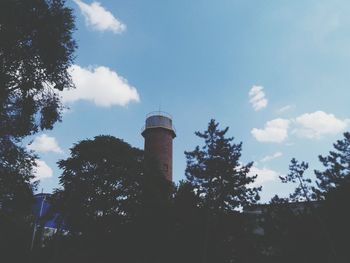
(111, 207)
(115, 210)
(36, 49)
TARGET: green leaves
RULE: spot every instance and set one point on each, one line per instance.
(100, 179)
(104, 179)
(36, 49)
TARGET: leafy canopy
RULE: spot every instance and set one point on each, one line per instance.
(99, 181)
(36, 49)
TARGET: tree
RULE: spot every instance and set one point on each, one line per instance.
(98, 199)
(99, 180)
(17, 179)
(304, 191)
(189, 224)
(298, 220)
(221, 181)
(335, 210)
(16, 199)
(36, 49)
(110, 203)
(216, 172)
(334, 188)
(337, 166)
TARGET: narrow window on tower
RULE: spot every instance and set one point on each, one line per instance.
(165, 167)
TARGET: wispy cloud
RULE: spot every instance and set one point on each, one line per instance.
(257, 97)
(98, 18)
(285, 109)
(101, 85)
(268, 158)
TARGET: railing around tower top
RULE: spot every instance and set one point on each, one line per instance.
(159, 113)
(159, 119)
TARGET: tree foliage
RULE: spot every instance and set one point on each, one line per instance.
(16, 200)
(216, 172)
(36, 49)
(337, 166)
(100, 179)
(304, 190)
(16, 178)
(222, 185)
(109, 201)
(116, 206)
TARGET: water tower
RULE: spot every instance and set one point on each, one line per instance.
(159, 134)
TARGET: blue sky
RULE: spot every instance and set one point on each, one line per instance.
(275, 72)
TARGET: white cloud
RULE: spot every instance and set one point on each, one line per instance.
(100, 85)
(274, 131)
(99, 18)
(264, 175)
(318, 124)
(45, 143)
(308, 125)
(257, 97)
(42, 170)
(285, 108)
(271, 157)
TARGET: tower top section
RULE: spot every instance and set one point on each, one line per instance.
(159, 119)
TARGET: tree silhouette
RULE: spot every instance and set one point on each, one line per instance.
(189, 217)
(217, 174)
(99, 180)
(36, 49)
(221, 182)
(16, 199)
(334, 188)
(110, 203)
(337, 166)
(335, 210)
(304, 191)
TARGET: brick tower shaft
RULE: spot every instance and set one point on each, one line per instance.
(159, 134)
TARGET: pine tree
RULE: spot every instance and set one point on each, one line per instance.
(221, 181)
(217, 174)
(337, 166)
(304, 190)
